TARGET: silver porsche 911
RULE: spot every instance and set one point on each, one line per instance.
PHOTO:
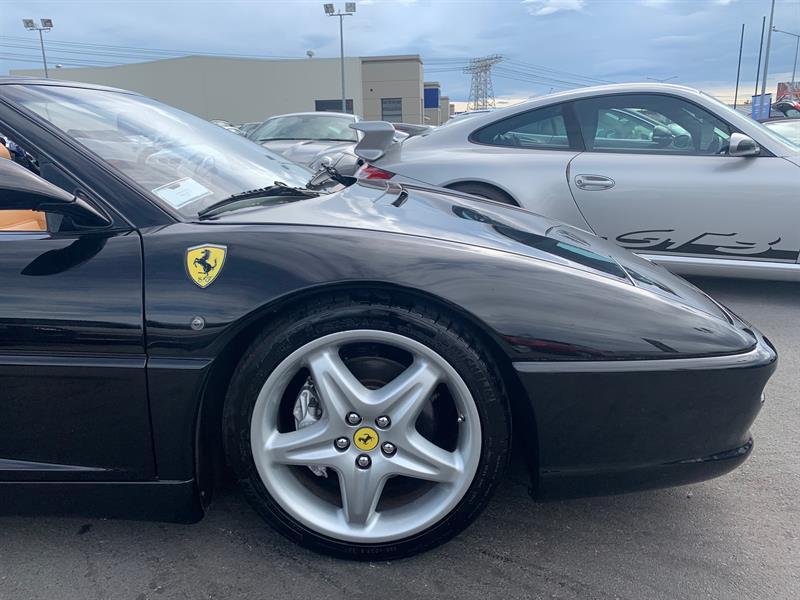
(664, 170)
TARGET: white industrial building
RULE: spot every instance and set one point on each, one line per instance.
(240, 90)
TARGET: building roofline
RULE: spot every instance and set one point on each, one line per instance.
(392, 57)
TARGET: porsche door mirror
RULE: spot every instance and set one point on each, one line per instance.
(20, 189)
(742, 145)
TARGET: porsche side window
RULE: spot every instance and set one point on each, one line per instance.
(540, 129)
(650, 123)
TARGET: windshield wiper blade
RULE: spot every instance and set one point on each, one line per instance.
(279, 189)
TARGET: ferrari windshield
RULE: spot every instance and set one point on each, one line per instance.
(185, 162)
(306, 127)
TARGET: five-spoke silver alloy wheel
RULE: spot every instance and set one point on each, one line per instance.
(389, 413)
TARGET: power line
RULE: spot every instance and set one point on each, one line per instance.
(139, 51)
(559, 72)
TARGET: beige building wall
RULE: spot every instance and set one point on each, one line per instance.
(238, 90)
(242, 90)
(392, 77)
(445, 108)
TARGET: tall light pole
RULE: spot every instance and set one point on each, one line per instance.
(738, 68)
(760, 52)
(349, 9)
(796, 51)
(46, 25)
(766, 52)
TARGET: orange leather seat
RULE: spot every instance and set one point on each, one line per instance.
(22, 220)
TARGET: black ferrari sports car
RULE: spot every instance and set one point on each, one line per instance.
(179, 303)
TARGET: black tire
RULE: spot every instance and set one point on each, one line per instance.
(382, 311)
(483, 190)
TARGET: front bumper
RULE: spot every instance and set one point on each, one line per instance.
(607, 427)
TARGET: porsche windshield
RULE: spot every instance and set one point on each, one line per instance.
(185, 162)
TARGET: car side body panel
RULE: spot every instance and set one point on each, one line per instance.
(719, 192)
(535, 179)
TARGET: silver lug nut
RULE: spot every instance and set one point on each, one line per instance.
(363, 461)
(388, 448)
(383, 422)
(353, 418)
(342, 443)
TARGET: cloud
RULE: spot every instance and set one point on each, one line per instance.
(541, 8)
(676, 40)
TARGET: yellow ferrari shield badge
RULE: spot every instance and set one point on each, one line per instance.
(204, 263)
(366, 439)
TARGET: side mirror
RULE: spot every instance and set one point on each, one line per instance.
(662, 136)
(20, 189)
(742, 145)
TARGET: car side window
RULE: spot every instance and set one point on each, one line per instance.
(13, 220)
(650, 124)
(542, 128)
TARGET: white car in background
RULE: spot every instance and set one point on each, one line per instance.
(314, 139)
(664, 170)
(308, 137)
(786, 127)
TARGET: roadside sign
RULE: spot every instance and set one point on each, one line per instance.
(759, 109)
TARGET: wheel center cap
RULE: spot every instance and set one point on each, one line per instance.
(366, 439)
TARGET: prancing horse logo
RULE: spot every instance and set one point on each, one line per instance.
(365, 439)
(204, 263)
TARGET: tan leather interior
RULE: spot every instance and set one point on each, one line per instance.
(20, 220)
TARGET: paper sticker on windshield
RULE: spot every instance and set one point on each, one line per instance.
(181, 192)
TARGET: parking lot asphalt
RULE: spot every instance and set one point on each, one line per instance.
(733, 537)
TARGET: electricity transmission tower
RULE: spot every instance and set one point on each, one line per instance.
(481, 92)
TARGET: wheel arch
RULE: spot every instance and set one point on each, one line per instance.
(210, 463)
(500, 188)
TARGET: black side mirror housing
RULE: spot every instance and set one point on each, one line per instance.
(20, 189)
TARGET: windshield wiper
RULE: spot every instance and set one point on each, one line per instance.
(279, 189)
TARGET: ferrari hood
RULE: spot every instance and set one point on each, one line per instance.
(451, 216)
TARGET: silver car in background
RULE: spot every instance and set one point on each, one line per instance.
(308, 137)
(666, 171)
(785, 127)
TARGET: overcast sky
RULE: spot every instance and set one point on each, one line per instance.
(616, 40)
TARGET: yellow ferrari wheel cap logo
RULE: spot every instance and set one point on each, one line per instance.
(204, 263)
(366, 438)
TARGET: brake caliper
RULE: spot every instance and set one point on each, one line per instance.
(308, 411)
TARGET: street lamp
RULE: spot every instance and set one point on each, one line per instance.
(46, 25)
(349, 9)
(796, 50)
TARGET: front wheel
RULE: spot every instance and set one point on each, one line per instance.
(367, 430)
